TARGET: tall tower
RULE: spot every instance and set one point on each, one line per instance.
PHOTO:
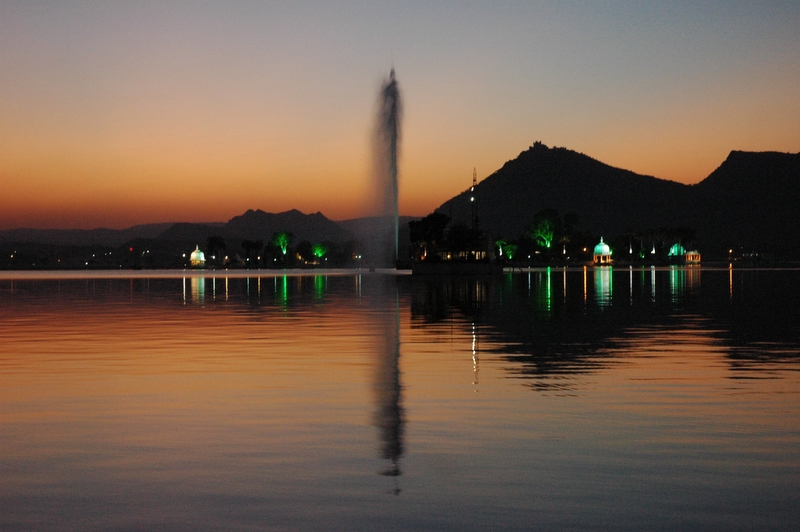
(472, 201)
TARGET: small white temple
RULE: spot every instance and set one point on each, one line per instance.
(197, 258)
(602, 253)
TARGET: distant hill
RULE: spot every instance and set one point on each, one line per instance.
(260, 225)
(192, 232)
(608, 200)
(253, 225)
(751, 200)
(83, 237)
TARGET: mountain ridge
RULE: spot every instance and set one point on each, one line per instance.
(749, 201)
(568, 181)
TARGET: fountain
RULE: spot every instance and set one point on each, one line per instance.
(385, 150)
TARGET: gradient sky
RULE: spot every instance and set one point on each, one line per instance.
(118, 113)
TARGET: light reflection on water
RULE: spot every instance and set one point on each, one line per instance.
(615, 398)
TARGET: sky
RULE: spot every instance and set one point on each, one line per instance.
(121, 113)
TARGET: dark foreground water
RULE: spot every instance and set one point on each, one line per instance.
(602, 399)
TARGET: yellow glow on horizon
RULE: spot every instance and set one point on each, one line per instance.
(153, 113)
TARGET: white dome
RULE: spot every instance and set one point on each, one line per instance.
(197, 256)
(602, 248)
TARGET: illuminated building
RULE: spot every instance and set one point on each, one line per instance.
(677, 253)
(693, 257)
(602, 253)
(197, 259)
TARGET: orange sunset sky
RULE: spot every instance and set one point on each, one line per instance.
(115, 114)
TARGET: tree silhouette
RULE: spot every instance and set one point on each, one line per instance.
(214, 244)
(251, 248)
(427, 234)
(304, 250)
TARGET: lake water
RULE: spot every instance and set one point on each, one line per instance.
(581, 399)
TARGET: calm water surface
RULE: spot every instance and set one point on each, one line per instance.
(609, 399)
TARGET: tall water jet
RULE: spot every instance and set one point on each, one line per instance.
(385, 150)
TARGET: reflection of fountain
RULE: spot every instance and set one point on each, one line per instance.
(385, 145)
(388, 390)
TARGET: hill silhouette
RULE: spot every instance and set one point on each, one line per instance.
(750, 201)
(166, 245)
(84, 237)
(608, 200)
(253, 225)
(312, 227)
(260, 225)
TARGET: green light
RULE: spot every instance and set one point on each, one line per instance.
(677, 282)
(506, 249)
(602, 248)
(542, 229)
(541, 295)
(282, 290)
(511, 250)
(281, 240)
(319, 250)
(319, 286)
(549, 291)
(676, 251)
(602, 285)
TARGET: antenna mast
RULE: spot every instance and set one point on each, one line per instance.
(472, 200)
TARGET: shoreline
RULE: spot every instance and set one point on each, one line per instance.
(12, 275)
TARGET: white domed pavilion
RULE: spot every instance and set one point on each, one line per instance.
(197, 258)
(602, 253)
